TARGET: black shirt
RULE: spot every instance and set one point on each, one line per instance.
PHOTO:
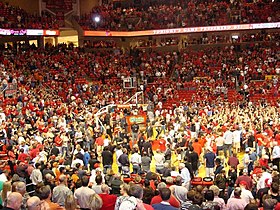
(135, 128)
(277, 197)
(261, 193)
(147, 147)
(251, 140)
(2, 134)
(166, 172)
(193, 159)
(141, 142)
(107, 158)
(55, 151)
(123, 159)
(167, 154)
(232, 176)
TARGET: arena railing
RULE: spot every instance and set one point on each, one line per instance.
(237, 27)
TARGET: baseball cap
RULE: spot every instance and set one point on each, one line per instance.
(275, 167)
(98, 169)
(243, 183)
(96, 165)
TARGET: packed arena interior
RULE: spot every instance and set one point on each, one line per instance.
(176, 120)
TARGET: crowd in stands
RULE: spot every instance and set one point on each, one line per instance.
(100, 44)
(55, 156)
(168, 41)
(13, 17)
(177, 14)
(260, 37)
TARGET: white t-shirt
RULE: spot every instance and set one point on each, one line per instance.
(74, 162)
(261, 182)
(135, 159)
(106, 142)
(3, 178)
(236, 136)
(219, 141)
(118, 154)
(246, 195)
(228, 137)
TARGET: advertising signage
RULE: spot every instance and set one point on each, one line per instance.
(28, 32)
(12, 32)
(183, 30)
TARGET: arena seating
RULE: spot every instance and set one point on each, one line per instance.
(168, 70)
(179, 14)
(16, 18)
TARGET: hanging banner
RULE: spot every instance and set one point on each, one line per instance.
(138, 119)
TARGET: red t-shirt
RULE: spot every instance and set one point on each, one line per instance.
(173, 201)
(233, 161)
(33, 153)
(99, 141)
(58, 141)
(148, 207)
(260, 139)
(264, 162)
(22, 157)
(109, 201)
(245, 178)
(277, 138)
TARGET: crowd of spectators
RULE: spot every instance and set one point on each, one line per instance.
(100, 44)
(176, 14)
(168, 41)
(227, 63)
(225, 67)
(13, 17)
(54, 151)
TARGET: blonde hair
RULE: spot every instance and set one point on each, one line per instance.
(137, 179)
(125, 187)
(215, 189)
(110, 171)
(95, 202)
(7, 186)
(70, 203)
